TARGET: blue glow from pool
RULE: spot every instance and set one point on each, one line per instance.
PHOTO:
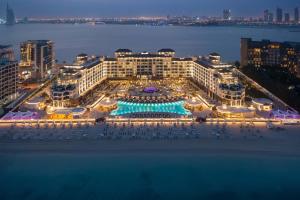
(129, 108)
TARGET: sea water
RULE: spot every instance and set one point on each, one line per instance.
(139, 176)
(71, 40)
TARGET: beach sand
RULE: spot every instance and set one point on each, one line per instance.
(199, 139)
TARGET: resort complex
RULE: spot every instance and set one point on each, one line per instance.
(147, 83)
(146, 86)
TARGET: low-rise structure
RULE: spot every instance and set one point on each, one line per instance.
(263, 104)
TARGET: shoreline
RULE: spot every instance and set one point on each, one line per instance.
(200, 147)
(198, 139)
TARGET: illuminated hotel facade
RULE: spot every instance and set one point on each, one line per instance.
(76, 80)
(8, 75)
(268, 53)
(215, 77)
(162, 64)
(37, 59)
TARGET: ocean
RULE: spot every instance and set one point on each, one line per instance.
(139, 176)
(71, 40)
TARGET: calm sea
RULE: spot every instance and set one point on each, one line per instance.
(138, 177)
(71, 40)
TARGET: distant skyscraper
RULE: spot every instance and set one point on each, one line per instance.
(10, 16)
(271, 17)
(266, 15)
(279, 15)
(286, 17)
(8, 75)
(296, 15)
(227, 14)
(37, 58)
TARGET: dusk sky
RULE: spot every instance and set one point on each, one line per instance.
(69, 8)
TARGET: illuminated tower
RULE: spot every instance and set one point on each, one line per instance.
(37, 58)
(10, 16)
(8, 75)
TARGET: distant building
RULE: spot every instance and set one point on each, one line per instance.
(296, 15)
(24, 20)
(10, 16)
(227, 14)
(268, 16)
(2, 21)
(279, 15)
(8, 75)
(286, 17)
(268, 53)
(37, 59)
(271, 17)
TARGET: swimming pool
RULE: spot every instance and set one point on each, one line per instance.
(129, 108)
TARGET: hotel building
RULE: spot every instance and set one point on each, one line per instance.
(37, 59)
(268, 53)
(218, 80)
(8, 75)
(162, 64)
(215, 77)
(76, 80)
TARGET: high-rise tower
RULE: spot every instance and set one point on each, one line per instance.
(266, 16)
(286, 17)
(8, 75)
(227, 14)
(10, 16)
(37, 58)
(296, 15)
(279, 15)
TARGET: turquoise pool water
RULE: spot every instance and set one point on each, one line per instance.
(129, 108)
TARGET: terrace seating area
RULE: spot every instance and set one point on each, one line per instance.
(63, 92)
(152, 115)
(155, 99)
(231, 87)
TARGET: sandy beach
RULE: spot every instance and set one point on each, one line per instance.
(197, 138)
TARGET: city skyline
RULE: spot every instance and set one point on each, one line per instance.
(105, 8)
